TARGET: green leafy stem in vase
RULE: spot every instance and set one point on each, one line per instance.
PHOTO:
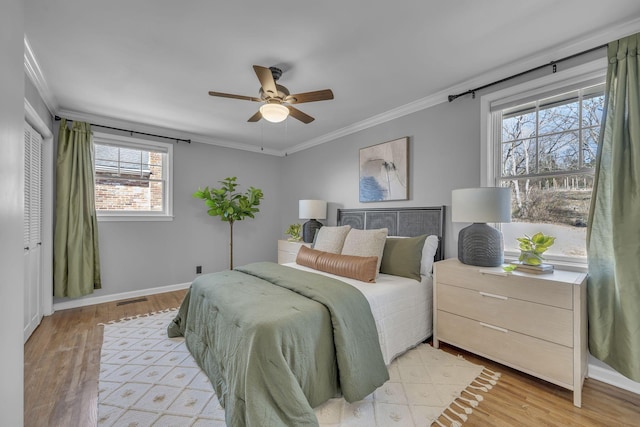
(531, 249)
(294, 232)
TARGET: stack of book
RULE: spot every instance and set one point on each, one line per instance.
(534, 269)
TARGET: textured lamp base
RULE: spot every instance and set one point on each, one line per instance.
(480, 245)
(309, 229)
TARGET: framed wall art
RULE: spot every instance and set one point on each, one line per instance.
(384, 171)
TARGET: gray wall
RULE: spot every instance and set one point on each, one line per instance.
(11, 210)
(444, 154)
(32, 95)
(146, 254)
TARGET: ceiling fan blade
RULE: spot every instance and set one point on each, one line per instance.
(266, 80)
(229, 95)
(303, 117)
(318, 95)
(257, 116)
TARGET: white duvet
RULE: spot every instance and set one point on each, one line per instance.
(401, 307)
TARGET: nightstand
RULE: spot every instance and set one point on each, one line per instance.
(535, 323)
(288, 251)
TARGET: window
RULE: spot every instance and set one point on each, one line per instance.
(132, 178)
(544, 145)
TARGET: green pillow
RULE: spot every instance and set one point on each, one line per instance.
(402, 256)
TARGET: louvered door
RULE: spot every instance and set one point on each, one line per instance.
(32, 230)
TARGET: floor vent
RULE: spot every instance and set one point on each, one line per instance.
(131, 301)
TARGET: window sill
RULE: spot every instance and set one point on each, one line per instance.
(121, 218)
(580, 267)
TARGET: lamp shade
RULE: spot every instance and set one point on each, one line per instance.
(486, 204)
(312, 209)
(274, 113)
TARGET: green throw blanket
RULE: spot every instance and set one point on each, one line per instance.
(277, 342)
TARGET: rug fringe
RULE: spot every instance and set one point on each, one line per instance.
(483, 382)
(124, 319)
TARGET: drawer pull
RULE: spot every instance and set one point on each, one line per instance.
(494, 327)
(494, 272)
(486, 294)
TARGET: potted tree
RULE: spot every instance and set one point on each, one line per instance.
(229, 205)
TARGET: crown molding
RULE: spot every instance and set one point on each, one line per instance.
(403, 110)
(36, 76)
(169, 133)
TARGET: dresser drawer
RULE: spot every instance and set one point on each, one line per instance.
(549, 361)
(544, 290)
(538, 320)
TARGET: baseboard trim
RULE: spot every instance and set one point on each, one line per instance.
(609, 376)
(116, 297)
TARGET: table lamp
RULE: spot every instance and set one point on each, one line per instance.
(480, 244)
(313, 210)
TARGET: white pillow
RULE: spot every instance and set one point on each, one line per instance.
(331, 239)
(365, 243)
(428, 254)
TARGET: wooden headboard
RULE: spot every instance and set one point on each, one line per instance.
(409, 222)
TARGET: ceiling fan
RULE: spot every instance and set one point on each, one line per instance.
(277, 99)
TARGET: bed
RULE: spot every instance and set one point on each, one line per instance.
(278, 340)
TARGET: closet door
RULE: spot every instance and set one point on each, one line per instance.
(32, 230)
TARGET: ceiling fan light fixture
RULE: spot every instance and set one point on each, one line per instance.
(274, 113)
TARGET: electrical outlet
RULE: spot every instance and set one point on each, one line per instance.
(198, 269)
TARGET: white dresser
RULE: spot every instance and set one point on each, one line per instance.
(288, 251)
(535, 323)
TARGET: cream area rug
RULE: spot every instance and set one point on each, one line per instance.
(148, 379)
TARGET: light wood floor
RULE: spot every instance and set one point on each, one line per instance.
(62, 360)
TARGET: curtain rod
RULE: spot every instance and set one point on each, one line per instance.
(552, 63)
(177, 140)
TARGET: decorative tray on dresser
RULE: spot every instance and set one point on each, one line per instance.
(535, 323)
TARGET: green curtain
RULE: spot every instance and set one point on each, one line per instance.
(76, 261)
(613, 236)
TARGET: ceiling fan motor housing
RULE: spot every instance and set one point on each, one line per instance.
(276, 73)
(283, 92)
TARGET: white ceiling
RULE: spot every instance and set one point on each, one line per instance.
(149, 64)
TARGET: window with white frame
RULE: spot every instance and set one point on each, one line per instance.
(544, 147)
(132, 178)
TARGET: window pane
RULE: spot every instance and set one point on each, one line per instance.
(590, 146)
(592, 110)
(520, 126)
(559, 152)
(518, 158)
(561, 200)
(155, 165)
(558, 118)
(106, 157)
(118, 194)
(130, 161)
(107, 166)
(570, 241)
